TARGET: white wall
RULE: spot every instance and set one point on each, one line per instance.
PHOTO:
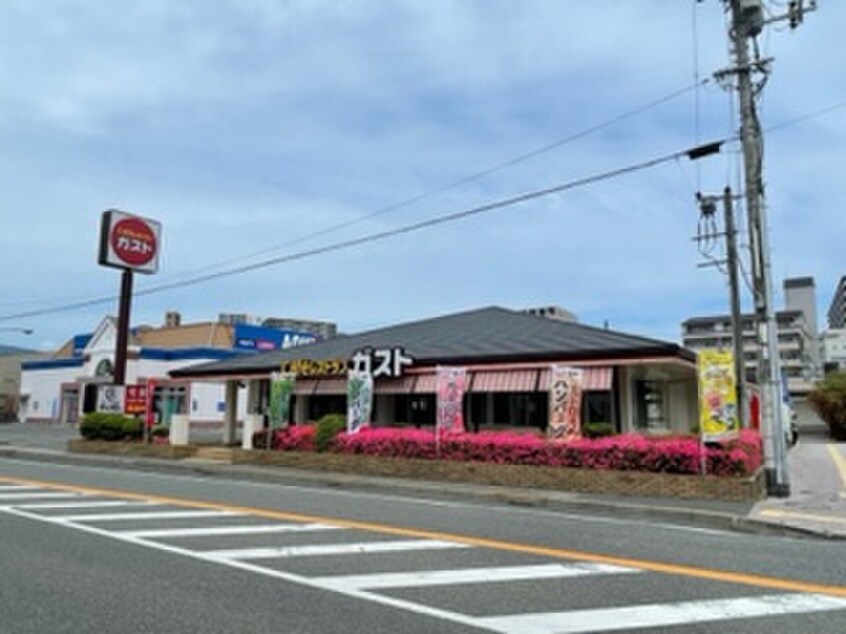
(44, 388)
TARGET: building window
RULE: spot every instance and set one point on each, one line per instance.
(597, 407)
(650, 406)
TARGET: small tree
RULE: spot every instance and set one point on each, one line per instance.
(828, 399)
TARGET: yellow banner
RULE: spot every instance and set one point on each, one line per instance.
(717, 394)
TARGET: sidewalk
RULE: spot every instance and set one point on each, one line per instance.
(817, 503)
(817, 506)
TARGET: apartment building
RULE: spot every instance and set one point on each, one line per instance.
(797, 336)
(837, 308)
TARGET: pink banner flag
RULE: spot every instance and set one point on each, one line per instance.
(450, 387)
(565, 403)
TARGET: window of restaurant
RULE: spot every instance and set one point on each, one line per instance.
(521, 409)
(320, 406)
(167, 401)
(596, 407)
(650, 405)
(414, 409)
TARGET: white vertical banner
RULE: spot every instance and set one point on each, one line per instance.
(565, 403)
(451, 384)
(359, 400)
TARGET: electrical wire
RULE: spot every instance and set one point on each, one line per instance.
(692, 153)
(464, 180)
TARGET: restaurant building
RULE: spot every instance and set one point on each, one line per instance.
(636, 384)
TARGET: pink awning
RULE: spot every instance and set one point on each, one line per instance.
(505, 381)
(304, 387)
(331, 386)
(402, 385)
(594, 379)
(425, 384)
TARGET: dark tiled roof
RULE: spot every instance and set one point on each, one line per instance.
(485, 335)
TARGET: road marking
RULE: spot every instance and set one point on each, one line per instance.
(710, 574)
(661, 615)
(802, 516)
(332, 549)
(17, 487)
(245, 566)
(156, 515)
(81, 504)
(839, 462)
(37, 494)
(422, 579)
(227, 530)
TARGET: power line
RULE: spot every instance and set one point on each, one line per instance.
(629, 114)
(464, 180)
(691, 153)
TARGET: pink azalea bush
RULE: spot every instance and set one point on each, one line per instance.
(740, 456)
(630, 452)
(292, 438)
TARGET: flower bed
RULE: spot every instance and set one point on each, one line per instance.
(679, 455)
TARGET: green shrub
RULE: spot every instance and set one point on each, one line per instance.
(160, 431)
(598, 430)
(828, 398)
(133, 429)
(327, 428)
(108, 426)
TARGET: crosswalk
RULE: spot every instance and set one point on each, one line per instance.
(435, 577)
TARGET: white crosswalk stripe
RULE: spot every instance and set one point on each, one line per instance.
(80, 504)
(470, 575)
(31, 495)
(661, 615)
(23, 501)
(332, 549)
(209, 531)
(155, 515)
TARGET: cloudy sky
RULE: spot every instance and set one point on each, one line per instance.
(254, 129)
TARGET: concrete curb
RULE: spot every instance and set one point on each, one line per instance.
(537, 498)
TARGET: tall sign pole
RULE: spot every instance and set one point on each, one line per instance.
(129, 243)
(747, 21)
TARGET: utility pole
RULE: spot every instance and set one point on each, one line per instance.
(736, 315)
(706, 238)
(747, 21)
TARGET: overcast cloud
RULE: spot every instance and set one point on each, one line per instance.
(245, 124)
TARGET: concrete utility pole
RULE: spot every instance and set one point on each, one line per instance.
(736, 315)
(747, 21)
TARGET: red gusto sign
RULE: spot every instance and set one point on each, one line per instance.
(129, 242)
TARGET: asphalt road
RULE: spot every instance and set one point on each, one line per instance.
(103, 549)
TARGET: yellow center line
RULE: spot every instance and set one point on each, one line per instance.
(839, 462)
(709, 574)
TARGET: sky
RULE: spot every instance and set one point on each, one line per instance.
(257, 129)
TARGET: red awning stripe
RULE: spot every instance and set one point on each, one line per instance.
(594, 379)
(425, 384)
(331, 386)
(402, 385)
(305, 386)
(505, 381)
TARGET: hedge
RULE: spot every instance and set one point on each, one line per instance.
(676, 454)
(108, 426)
